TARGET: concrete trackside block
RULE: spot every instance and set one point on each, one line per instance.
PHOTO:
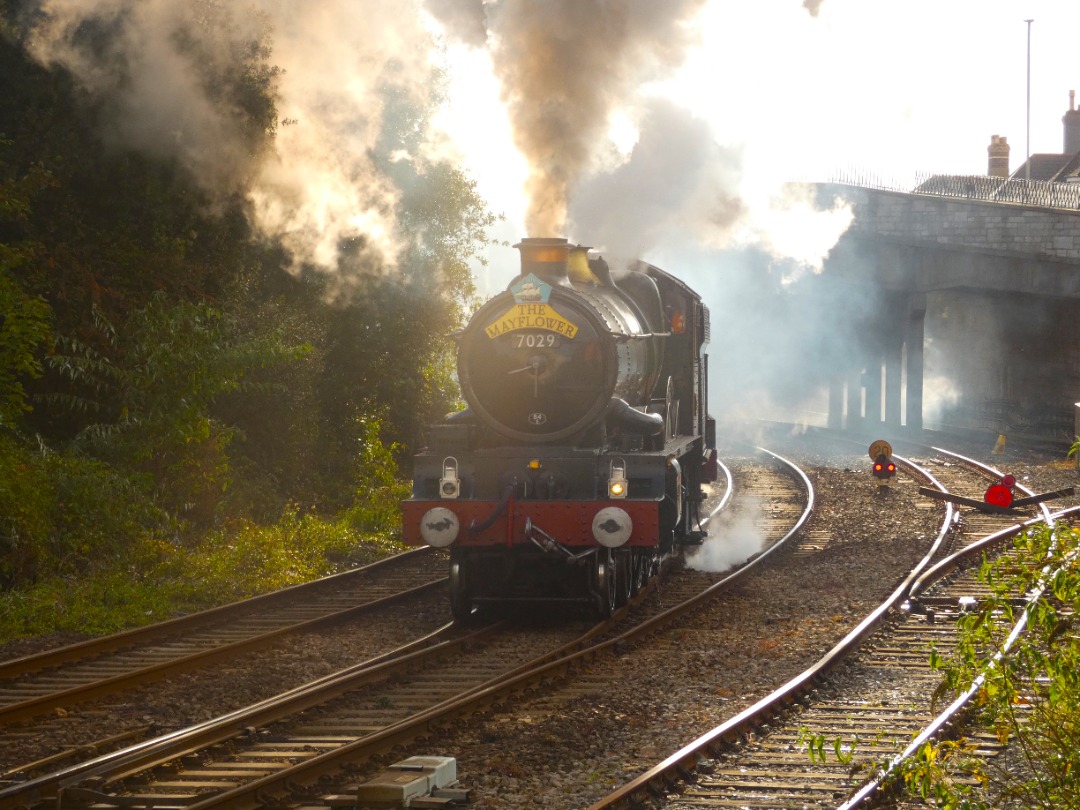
(404, 782)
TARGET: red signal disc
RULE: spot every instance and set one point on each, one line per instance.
(998, 495)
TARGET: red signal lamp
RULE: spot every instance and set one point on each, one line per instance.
(884, 467)
(1000, 494)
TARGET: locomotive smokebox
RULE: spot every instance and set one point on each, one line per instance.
(547, 258)
(557, 353)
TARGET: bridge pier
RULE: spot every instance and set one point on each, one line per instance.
(894, 379)
(836, 403)
(913, 344)
(871, 384)
(892, 373)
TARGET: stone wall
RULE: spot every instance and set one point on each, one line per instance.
(1042, 233)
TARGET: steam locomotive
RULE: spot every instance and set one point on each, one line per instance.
(579, 462)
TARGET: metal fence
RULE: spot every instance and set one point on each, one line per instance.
(974, 187)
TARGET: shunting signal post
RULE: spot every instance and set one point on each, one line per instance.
(883, 468)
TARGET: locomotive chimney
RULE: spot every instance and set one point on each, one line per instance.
(547, 258)
(998, 151)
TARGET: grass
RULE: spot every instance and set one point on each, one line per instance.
(158, 579)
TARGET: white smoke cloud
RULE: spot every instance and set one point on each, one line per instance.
(676, 181)
(142, 59)
(320, 186)
(790, 225)
(735, 539)
(622, 156)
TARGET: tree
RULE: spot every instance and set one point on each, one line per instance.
(155, 282)
(24, 318)
(153, 397)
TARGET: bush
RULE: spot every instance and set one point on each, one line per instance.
(65, 514)
(27, 501)
(158, 579)
(1031, 693)
(244, 559)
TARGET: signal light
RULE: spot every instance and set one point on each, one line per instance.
(884, 468)
(449, 484)
(617, 483)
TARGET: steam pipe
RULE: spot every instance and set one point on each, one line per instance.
(620, 413)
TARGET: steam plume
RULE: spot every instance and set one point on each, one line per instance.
(565, 66)
(162, 61)
(734, 541)
(677, 180)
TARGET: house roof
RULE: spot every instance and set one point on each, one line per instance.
(1049, 168)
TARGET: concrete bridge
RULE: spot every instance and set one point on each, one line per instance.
(976, 317)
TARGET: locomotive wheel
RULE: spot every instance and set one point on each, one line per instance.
(460, 597)
(605, 581)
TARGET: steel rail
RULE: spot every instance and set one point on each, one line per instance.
(255, 794)
(79, 694)
(150, 632)
(944, 568)
(869, 790)
(148, 753)
(685, 760)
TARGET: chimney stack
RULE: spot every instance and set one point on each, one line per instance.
(998, 150)
(547, 258)
(1072, 126)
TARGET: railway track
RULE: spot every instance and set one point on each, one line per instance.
(66, 676)
(376, 706)
(44, 695)
(869, 696)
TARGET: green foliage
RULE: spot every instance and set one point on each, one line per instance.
(1031, 693)
(154, 400)
(379, 490)
(26, 517)
(946, 774)
(815, 747)
(24, 331)
(79, 542)
(62, 514)
(195, 406)
(109, 602)
(25, 320)
(158, 579)
(244, 558)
